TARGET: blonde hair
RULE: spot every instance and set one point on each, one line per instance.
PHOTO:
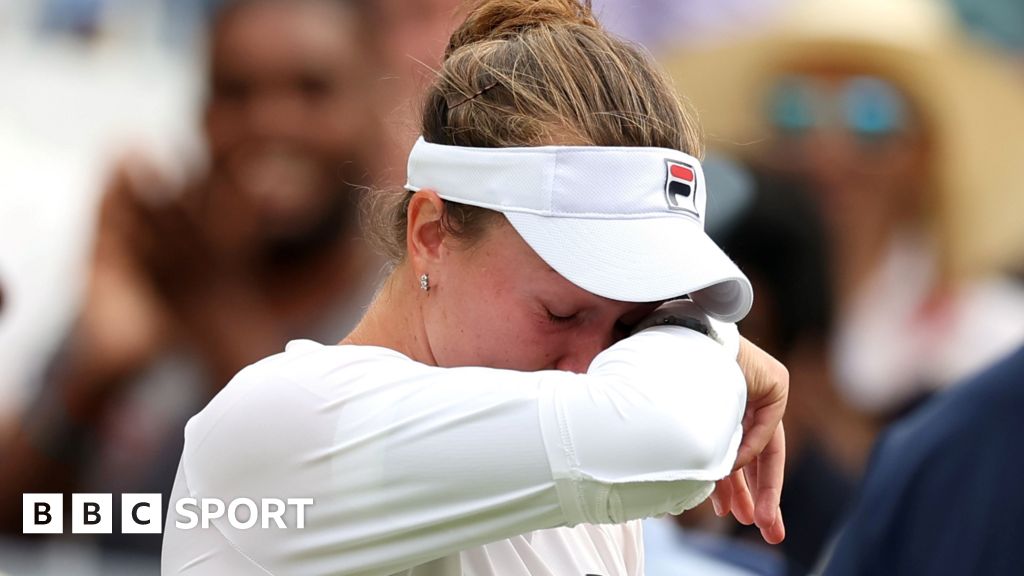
(533, 73)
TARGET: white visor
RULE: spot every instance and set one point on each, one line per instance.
(625, 223)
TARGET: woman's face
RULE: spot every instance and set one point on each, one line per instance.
(855, 138)
(289, 111)
(498, 304)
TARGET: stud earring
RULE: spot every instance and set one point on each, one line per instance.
(425, 282)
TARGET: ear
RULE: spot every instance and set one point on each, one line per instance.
(424, 235)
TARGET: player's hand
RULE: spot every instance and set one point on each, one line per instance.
(753, 490)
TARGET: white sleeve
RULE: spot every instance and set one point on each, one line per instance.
(407, 463)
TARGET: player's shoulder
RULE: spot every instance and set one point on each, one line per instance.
(311, 364)
(291, 385)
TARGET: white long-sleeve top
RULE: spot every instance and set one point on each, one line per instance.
(426, 471)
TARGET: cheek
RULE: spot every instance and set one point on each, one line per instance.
(338, 127)
(475, 322)
(223, 128)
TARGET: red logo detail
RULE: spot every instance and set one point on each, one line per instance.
(681, 172)
(681, 188)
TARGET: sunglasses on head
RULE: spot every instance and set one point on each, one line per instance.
(867, 106)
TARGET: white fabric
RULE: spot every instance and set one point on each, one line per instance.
(902, 337)
(602, 217)
(602, 182)
(527, 473)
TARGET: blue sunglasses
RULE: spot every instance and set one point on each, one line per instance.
(865, 105)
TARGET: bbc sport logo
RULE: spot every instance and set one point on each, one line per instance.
(143, 513)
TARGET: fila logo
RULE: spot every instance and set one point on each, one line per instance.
(681, 187)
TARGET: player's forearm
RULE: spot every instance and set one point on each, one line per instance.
(660, 410)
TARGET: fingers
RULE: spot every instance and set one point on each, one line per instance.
(761, 428)
(767, 393)
(751, 475)
(742, 500)
(776, 533)
(721, 498)
(732, 494)
(765, 476)
(771, 465)
(761, 459)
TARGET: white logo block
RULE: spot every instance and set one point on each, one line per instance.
(42, 513)
(141, 514)
(91, 513)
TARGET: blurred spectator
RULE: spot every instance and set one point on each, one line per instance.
(775, 234)
(666, 24)
(417, 33)
(939, 498)
(414, 34)
(907, 133)
(67, 108)
(782, 246)
(191, 281)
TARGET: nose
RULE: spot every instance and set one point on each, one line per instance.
(274, 114)
(576, 363)
(582, 348)
(834, 150)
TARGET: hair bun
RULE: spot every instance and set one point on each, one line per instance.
(501, 19)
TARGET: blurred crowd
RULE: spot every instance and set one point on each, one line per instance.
(179, 193)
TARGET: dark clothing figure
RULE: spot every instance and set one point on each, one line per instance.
(943, 491)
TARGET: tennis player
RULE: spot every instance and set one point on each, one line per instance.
(518, 395)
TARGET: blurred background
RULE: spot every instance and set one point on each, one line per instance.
(178, 182)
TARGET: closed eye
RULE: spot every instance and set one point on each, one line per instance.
(560, 319)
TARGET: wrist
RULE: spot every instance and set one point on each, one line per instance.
(688, 314)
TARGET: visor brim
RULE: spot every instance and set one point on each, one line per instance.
(640, 260)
